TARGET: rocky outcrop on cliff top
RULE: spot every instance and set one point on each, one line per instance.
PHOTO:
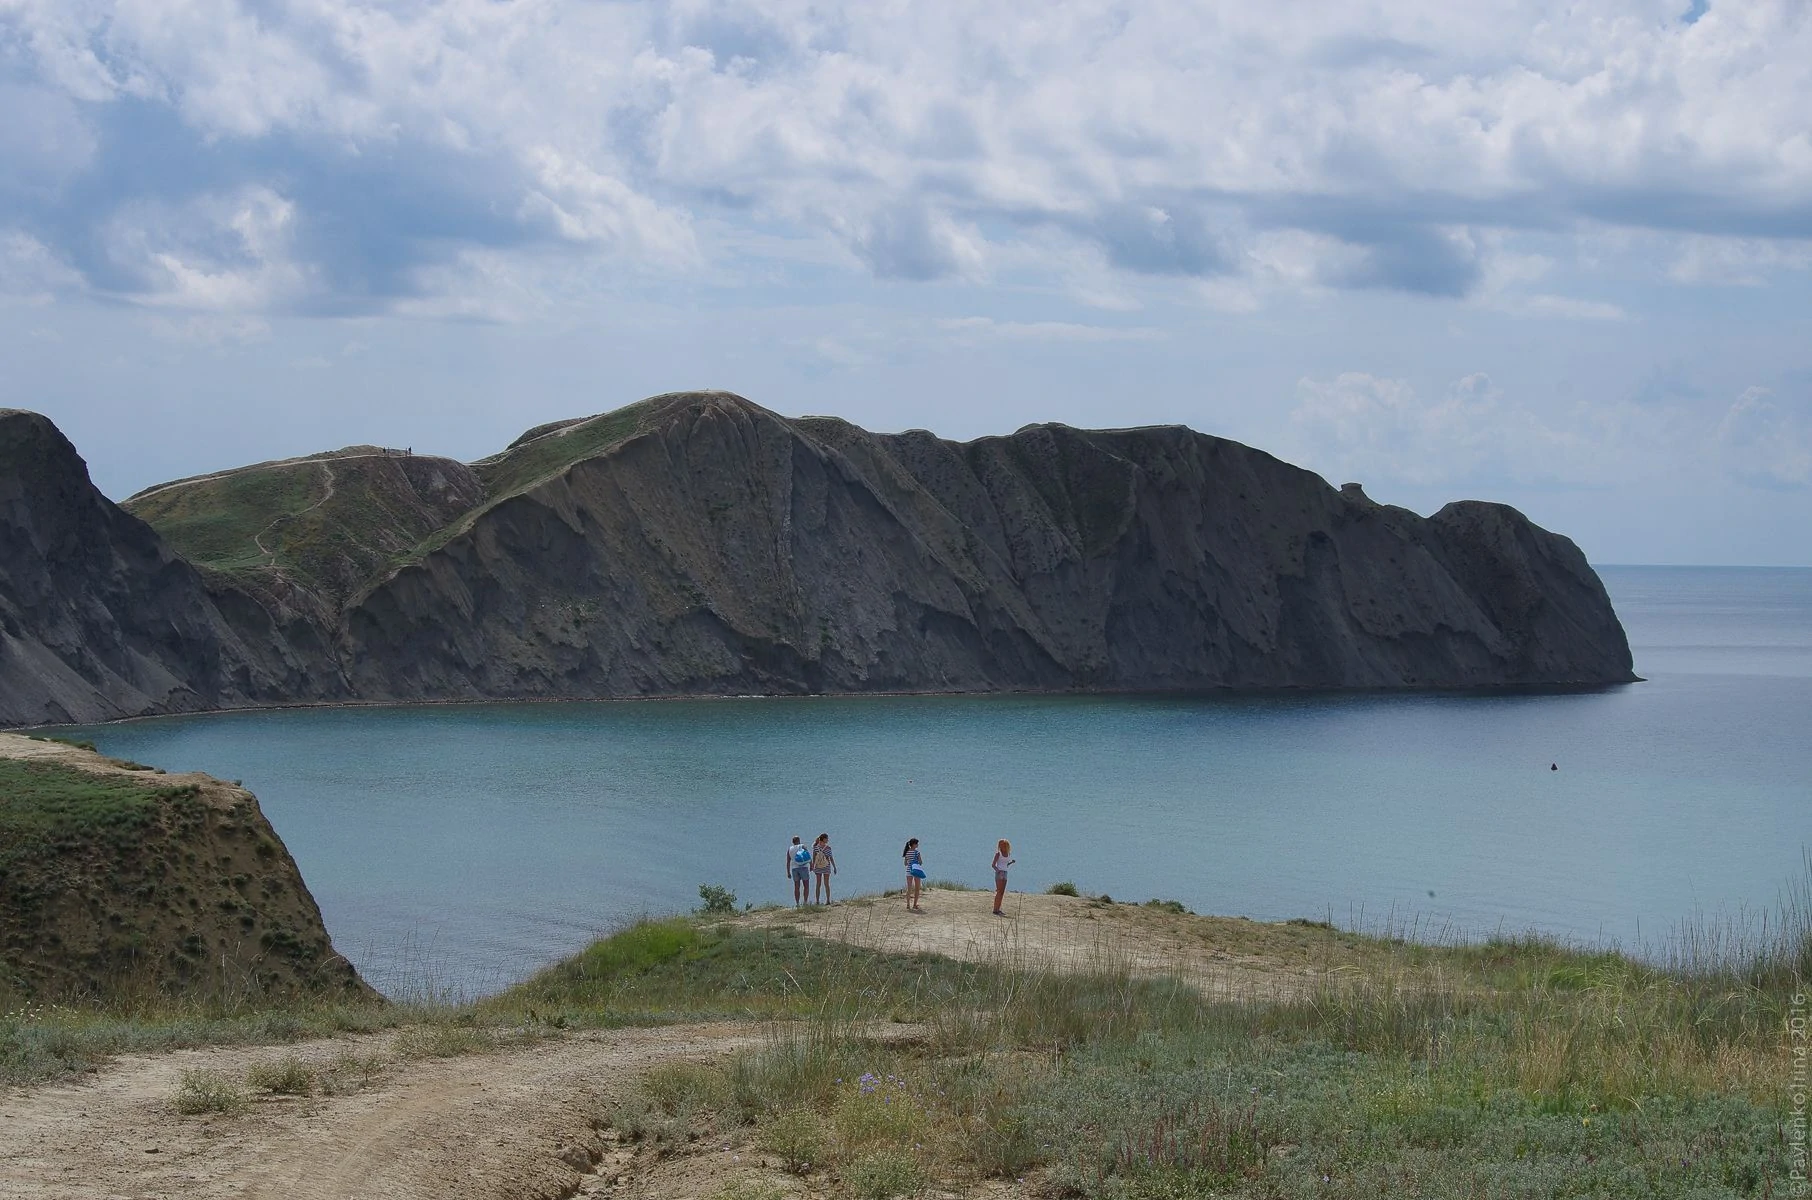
(700, 544)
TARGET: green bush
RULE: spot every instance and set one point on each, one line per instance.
(1066, 888)
(717, 901)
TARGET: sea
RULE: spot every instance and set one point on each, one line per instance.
(456, 848)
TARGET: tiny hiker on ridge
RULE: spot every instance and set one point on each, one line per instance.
(799, 870)
(1001, 863)
(824, 865)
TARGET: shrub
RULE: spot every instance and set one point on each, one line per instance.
(796, 1137)
(885, 1175)
(204, 1091)
(443, 1041)
(1066, 888)
(639, 1119)
(1170, 906)
(750, 1188)
(350, 1072)
(717, 901)
(287, 1076)
(883, 1110)
(1004, 1144)
(683, 1088)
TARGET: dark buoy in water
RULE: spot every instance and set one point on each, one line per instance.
(1553, 766)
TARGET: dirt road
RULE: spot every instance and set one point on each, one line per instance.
(512, 1123)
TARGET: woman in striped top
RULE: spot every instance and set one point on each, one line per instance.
(915, 874)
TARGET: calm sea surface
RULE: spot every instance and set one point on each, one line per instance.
(460, 847)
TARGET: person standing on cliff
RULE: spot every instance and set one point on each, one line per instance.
(799, 870)
(1003, 849)
(824, 865)
(915, 873)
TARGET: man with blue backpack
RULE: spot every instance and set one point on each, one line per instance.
(799, 870)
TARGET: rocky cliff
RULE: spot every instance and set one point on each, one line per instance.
(99, 618)
(700, 544)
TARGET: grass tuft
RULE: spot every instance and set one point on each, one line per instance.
(286, 1076)
(203, 1091)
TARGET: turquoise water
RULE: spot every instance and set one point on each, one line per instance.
(459, 847)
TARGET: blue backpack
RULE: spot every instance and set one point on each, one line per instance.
(801, 855)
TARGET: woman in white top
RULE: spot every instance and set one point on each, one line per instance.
(1001, 863)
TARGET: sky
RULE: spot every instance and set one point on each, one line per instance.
(1553, 254)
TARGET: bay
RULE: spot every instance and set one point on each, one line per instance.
(455, 848)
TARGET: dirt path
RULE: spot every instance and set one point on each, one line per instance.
(1228, 957)
(511, 1123)
(326, 495)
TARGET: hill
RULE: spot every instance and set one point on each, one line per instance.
(716, 548)
(699, 544)
(118, 884)
(324, 523)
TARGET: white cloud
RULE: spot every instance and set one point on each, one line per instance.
(228, 253)
(1255, 149)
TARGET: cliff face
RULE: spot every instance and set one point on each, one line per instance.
(98, 617)
(700, 544)
(719, 548)
(117, 883)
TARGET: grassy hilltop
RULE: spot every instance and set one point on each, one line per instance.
(120, 885)
(1363, 1067)
(1507, 1068)
(332, 523)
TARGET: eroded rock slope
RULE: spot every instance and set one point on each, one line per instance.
(700, 544)
(720, 548)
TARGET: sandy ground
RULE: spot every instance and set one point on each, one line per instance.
(1225, 957)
